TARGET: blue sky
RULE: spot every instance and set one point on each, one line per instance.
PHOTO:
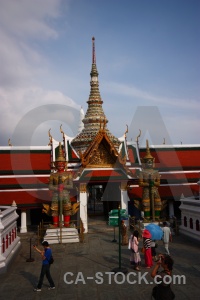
(148, 55)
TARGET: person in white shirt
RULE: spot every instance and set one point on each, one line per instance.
(167, 237)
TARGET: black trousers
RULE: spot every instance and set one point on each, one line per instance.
(45, 271)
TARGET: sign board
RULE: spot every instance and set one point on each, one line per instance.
(114, 212)
(113, 221)
(114, 217)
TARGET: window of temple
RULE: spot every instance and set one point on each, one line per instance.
(197, 225)
(191, 223)
(185, 221)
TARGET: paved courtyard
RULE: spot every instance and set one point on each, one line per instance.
(97, 254)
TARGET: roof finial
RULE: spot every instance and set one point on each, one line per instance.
(148, 154)
(50, 138)
(93, 51)
(139, 135)
(60, 156)
(9, 142)
(126, 131)
(61, 130)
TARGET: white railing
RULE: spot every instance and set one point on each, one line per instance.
(9, 241)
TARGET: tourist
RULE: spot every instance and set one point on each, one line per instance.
(147, 246)
(167, 237)
(46, 255)
(124, 233)
(153, 249)
(133, 246)
(162, 291)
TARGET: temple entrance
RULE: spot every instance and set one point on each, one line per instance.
(103, 197)
(95, 200)
(111, 197)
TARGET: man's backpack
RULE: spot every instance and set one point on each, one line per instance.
(51, 260)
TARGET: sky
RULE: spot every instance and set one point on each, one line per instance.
(147, 55)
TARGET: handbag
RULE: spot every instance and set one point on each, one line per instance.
(143, 250)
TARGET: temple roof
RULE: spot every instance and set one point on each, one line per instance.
(25, 160)
(175, 157)
(103, 175)
(95, 118)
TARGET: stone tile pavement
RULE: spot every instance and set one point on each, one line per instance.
(84, 260)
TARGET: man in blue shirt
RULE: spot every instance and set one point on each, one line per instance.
(45, 270)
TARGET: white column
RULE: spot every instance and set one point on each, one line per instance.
(171, 208)
(124, 198)
(83, 206)
(23, 228)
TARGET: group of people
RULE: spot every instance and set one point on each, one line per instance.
(149, 247)
(161, 291)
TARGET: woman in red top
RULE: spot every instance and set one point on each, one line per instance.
(147, 245)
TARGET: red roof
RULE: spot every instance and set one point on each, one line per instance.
(170, 161)
(23, 181)
(24, 198)
(103, 175)
(167, 191)
(25, 162)
(175, 158)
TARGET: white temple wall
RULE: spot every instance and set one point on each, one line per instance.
(190, 216)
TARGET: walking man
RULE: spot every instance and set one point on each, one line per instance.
(45, 270)
(167, 237)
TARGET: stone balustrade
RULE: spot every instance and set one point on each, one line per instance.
(9, 241)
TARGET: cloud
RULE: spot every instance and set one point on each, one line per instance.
(179, 117)
(134, 92)
(183, 130)
(27, 18)
(22, 65)
(42, 116)
(15, 70)
(21, 23)
(27, 73)
(34, 97)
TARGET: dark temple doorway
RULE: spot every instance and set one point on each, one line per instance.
(103, 197)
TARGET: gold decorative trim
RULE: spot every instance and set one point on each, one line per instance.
(123, 186)
(101, 166)
(83, 188)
